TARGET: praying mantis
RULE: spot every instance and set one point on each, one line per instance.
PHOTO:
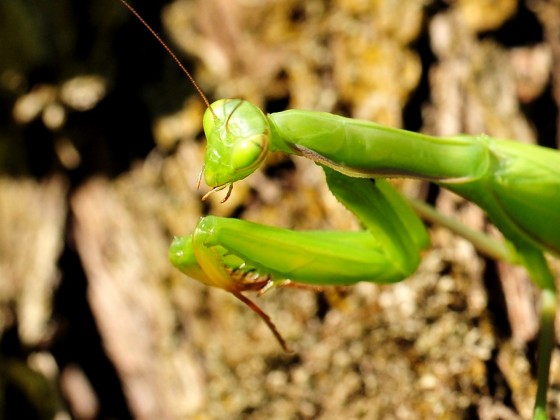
(517, 185)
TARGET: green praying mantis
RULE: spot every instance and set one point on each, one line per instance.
(517, 185)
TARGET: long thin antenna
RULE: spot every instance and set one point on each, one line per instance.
(171, 53)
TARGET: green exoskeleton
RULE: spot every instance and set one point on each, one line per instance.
(518, 186)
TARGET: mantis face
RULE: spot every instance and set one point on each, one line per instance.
(237, 134)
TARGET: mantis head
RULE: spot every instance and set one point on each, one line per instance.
(237, 133)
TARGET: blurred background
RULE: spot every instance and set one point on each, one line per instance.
(100, 149)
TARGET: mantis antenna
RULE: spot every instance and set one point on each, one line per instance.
(171, 53)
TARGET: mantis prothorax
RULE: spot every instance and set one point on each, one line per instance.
(518, 186)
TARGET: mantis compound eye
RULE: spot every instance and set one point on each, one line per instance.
(249, 153)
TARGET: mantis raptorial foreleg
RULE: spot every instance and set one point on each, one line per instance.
(229, 253)
(388, 251)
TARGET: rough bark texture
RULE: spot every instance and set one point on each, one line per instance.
(100, 149)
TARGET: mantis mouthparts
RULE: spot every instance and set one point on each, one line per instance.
(219, 188)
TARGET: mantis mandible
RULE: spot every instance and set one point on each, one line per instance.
(517, 185)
